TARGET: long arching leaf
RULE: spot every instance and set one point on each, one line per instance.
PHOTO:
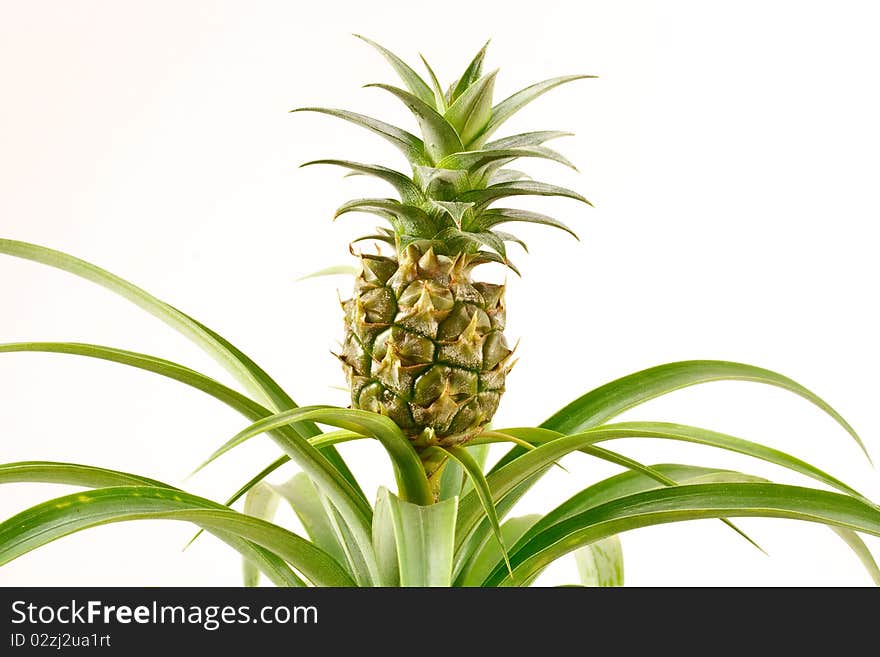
(686, 433)
(520, 473)
(245, 371)
(600, 405)
(408, 468)
(468, 518)
(62, 516)
(347, 499)
(686, 503)
(244, 405)
(73, 474)
(250, 375)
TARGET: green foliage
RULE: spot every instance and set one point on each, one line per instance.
(447, 524)
(409, 539)
(456, 175)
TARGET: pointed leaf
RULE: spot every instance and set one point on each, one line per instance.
(483, 197)
(467, 513)
(516, 474)
(250, 375)
(246, 372)
(408, 468)
(486, 161)
(439, 97)
(689, 502)
(74, 474)
(526, 139)
(508, 237)
(411, 146)
(471, 74)
(66, 515)
(855, 543)
(410, 78)
(607, 401)
(697, 435)
(440, 138)
(409, 193)
(512, 104)
(407, 219)
(495, 216)
(481, 488)
(490, 553)
(348, 499)
(470, 112)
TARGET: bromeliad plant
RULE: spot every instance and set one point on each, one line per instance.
(426, 361)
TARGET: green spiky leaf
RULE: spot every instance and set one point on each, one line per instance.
(512, 104)
(495, 216)
(607, 401)
(471, 74)
(483, 197)
(526, 139)
(410, 145)
(411, 79)
(62, 516)
(470, 112)
(440, 138)
(409, 193)
(439, 96)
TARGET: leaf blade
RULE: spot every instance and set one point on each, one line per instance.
(601, 404)
(515, 102)
(410, 145)
(62, 516)
(440, 138)
(410, 78)
(690, 502)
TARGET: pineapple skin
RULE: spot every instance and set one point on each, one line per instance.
(424, 345)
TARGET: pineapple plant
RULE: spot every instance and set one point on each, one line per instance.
(424, 343)
(426, 361)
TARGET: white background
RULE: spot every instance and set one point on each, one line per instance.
(730, 149)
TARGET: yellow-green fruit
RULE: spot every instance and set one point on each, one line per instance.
(424, 345)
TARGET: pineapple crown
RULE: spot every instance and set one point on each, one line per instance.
(448, 203)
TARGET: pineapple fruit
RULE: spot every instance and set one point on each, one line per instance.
(424, 342)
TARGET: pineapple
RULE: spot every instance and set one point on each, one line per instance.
(424, 342)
